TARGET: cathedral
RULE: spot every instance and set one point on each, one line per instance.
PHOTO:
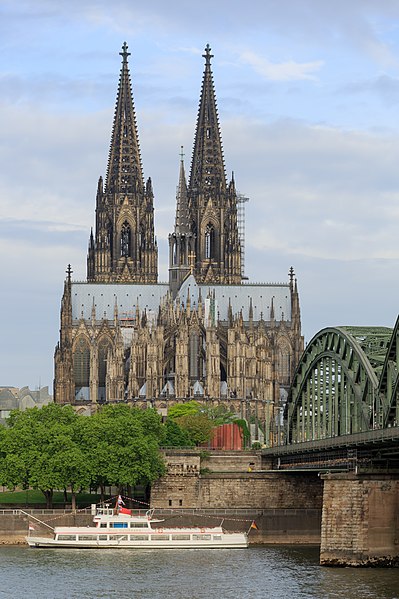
(207, 333)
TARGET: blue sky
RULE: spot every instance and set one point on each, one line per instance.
(308, 98)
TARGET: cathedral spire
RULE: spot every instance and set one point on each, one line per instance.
(182, 212)
(124, 172)
(207, 167)
(124, 248)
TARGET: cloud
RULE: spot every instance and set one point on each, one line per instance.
(383, 86)
(317, 191)
(285, 71)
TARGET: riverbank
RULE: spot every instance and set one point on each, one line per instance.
(273, 527)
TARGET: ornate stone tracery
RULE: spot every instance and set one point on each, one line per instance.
(205, 337)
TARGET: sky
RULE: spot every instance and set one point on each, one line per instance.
(308, 101)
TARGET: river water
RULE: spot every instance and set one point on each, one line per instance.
(257, 572)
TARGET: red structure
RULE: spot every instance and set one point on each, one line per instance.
(227, 436)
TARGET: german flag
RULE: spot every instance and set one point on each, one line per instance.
(253, 525)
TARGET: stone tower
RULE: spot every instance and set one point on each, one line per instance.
(206, 334)
(123, 248)
(205, 241)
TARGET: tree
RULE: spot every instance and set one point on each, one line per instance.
(122, 445)
(184, 409)
(176, 436)
(198, 426)
(30, 445)
(54, 448)
(219, 414)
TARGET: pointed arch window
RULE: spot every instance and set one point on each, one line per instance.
(126, 240)
(81, 370)
(103, 352)
(284, 363)
(183, 259)
(209, 241)
(194, 356)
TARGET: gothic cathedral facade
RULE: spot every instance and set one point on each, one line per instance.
(206, 334)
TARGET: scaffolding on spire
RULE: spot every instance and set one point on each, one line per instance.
(241, 201)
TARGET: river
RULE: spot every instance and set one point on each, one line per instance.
(257, 572)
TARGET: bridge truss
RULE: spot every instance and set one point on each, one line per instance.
(346, 383)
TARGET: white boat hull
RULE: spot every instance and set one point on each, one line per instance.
(114, 529)
(231, 541)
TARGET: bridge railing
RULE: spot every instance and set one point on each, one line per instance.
(355, 439)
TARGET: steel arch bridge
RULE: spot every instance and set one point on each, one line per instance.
(346, 382)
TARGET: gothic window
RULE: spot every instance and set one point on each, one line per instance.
(209, 241)
(126, 240)
(284, 364)
(194, 356)
(183, 251)
(142, 237)
(109, 237)
(81, 370)
(103, 350)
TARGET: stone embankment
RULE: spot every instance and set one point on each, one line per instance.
(273, 526)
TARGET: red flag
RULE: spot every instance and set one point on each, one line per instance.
(123, 510)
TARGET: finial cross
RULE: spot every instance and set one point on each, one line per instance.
(207, 54)
(181, 153)
(124, 52)
(69, 271)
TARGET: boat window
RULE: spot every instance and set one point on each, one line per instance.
(103, 525)
(139, 524)
(118, 537)
(102, 537)
(217, 537)
(160, 538)
(66, 537)
(202, 537)
(118, 524)
(138, 537)
(180, 537)
(87, 538)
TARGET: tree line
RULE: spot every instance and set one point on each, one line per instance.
(54, 448)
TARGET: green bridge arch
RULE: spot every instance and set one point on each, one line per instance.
(347, 381)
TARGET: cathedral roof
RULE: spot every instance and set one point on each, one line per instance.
(265, 298)
(127, 297)
(105, 295)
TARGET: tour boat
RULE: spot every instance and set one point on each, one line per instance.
(121, 529)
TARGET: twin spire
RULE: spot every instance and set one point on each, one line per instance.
(205, 242)
(124, 171)
(207, 167)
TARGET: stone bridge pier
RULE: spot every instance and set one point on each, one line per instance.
(360, 520)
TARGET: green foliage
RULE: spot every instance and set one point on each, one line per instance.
(36, 497)
(245, 430)
(176, 436)
(198, 426)
(184, 409)
(204, 455)
(54, 448)
(256, 445)
(123, 446)
(205, 471)
(219, 415)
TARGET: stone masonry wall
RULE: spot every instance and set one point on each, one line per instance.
(360, 522)
(202, 481)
